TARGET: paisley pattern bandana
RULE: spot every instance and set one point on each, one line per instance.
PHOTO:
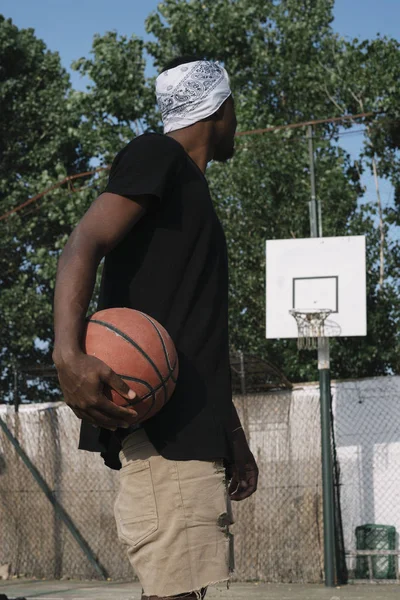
(191, 92)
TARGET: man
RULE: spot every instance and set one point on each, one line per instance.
(166, 256)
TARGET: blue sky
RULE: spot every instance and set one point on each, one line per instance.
(69, 26)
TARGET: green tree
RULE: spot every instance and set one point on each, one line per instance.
(283, 58)
(120, 103)
(36, 148)
(48, 132)
(286, 65)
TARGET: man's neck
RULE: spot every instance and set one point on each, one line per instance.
(198, 146)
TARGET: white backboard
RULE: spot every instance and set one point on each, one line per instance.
(316, 273)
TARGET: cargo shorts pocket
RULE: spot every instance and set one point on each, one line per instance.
(135, 507)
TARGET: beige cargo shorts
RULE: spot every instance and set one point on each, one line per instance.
(174, 518)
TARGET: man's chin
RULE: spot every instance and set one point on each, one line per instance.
(224, 155)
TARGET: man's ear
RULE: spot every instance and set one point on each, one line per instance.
(219, 114)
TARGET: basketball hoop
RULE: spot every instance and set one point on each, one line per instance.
(313, 327)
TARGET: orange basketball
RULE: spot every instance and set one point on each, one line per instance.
(140, 351)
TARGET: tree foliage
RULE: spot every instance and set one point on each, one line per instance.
(37, 148)
(286, 65)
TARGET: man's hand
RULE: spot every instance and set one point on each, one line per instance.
(83, 379)
(243, 471)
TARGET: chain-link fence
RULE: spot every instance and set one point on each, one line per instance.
(33, 538)
(278, 531)
(367, 433)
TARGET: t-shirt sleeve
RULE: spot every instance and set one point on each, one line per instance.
(147, 165)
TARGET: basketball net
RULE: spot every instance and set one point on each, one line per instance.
(312, 327)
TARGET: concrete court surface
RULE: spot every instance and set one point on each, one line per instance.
(97, 590)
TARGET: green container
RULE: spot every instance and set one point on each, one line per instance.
(376, 537)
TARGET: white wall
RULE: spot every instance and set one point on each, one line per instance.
(367, 426)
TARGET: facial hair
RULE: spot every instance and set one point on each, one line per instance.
(224, 152)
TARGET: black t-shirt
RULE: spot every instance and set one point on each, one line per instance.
(173, 265)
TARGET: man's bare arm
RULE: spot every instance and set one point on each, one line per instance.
(244, 471)
(82, 377)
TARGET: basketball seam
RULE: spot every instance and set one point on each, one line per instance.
(145, 383)
(155, 389)
(152, 393)
(161, 338)
(126, 337)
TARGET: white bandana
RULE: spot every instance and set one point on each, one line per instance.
(191, 92)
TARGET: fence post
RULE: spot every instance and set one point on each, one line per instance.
(242, 373)
(15, 389)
